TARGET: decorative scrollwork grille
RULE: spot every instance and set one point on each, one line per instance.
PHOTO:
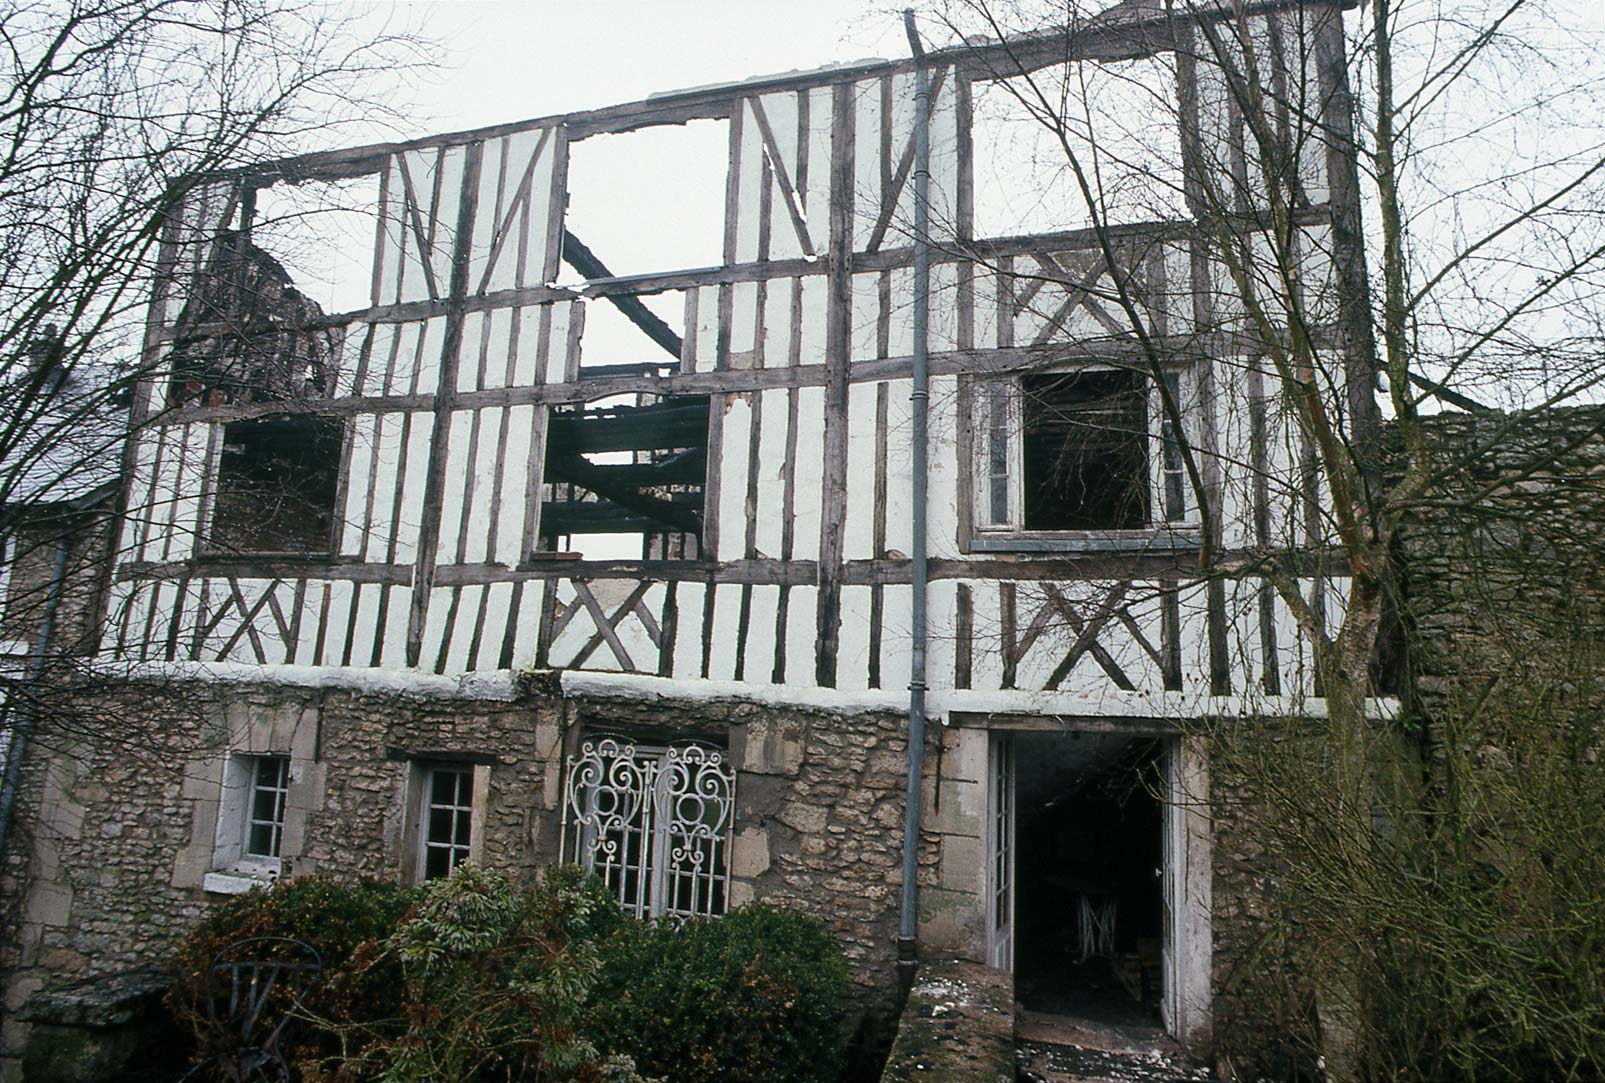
(654, 823)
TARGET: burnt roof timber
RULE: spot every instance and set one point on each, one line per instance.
(1097, 38)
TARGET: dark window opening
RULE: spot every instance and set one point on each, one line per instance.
(277, 482)
(625, 479)
(1085, 451)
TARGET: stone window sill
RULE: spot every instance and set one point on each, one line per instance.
(239, 880)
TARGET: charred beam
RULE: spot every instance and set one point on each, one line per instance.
(560, 517)
(583, 260)
(627, 428)
(680, 516)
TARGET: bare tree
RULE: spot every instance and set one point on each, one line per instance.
(111, 112)
(1407, 199)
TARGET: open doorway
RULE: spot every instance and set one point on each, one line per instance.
(1080, 819)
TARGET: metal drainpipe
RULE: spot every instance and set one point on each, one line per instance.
(907, 954)
(18, 744)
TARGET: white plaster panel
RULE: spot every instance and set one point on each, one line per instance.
(732, 465)
(777, 323)
(384, 448)
(899, 468)
(866, 316)
(809, 469)
(774, 405)
(817, 191)
(759, 657)
(815, 296)
(896, 641)
(188, 481)
(944, 308)
(688, 631)
(852, 655)
(749, 171)
(858, 535)
(743, 323)
(456, 475)
(726, 632)
(398, 614)
(508, 544)
(900, 321)
(802, 635)
(866, 97)
(942, 505)
(527, 623)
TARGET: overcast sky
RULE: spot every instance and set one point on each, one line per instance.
(503, 60)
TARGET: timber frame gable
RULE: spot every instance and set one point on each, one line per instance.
(757, 442)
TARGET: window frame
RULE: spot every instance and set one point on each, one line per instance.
(235, 867)
(422, 772)
(1173, 529)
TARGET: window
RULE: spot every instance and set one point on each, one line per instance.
(264, 824)
(1075, 453)
(447, 820)
(653, 822)
(277, 481)
(250, 822)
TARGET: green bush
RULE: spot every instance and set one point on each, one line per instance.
(476, 977)
(496, 980)
(343, 922)
(759, 994)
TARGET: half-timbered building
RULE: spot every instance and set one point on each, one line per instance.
(526, 548)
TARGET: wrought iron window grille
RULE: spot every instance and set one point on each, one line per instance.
(653, 822)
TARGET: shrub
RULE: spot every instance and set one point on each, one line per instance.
(342, 921)
(759, 994)
(496, 981)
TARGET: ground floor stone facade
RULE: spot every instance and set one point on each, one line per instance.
(114, 851)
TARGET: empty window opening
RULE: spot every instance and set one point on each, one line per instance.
(631, 335)
(1085, 451)
(247, 333)
(324, 234)
(447, 820)
(653, 822)
(1089, 906)
(649, 200)
(624, 478)
(277, 483)
(1117, 120)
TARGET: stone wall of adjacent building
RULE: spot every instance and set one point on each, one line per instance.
(115, 832)
(1505, 571)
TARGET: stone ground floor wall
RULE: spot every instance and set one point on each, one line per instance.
(113, 846)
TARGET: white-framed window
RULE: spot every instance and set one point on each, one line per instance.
(264, 820)
(446, 815)
(250, 821)
(1076, 456)
(653, 822)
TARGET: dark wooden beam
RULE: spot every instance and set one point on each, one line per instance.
(583, 260)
